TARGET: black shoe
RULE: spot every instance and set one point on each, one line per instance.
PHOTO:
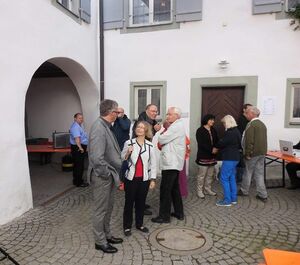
(178, 216)
(147, 206)
(147, 212)
(114, 240)
(240, 193)
(127, 232)
(159, 220)
(143, 229)
(107, 248)
(83, 185)
(261, 198)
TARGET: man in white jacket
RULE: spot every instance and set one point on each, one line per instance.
(172, 159)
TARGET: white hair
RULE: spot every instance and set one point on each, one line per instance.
(176, 110)
(229, 122)
(254, 110)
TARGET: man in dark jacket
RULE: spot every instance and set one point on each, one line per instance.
(242, 123)
(292, 169)
(149, 115)
(121, 128)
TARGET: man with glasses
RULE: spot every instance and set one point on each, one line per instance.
(149, 115)
(104, 167)
(121, 130)
(172, 157)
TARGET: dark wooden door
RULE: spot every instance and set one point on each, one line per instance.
(221, 101)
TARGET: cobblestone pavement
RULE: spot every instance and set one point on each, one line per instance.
(61, 232)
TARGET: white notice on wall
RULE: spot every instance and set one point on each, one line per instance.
(269, 105)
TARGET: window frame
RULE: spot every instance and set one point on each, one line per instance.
(288, 103)
(293, 120)
(151, 16)
(69, 9)
(149, 85)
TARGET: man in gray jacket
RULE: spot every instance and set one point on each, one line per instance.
(104, 167)
(172, 160)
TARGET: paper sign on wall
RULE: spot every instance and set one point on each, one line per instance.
(269, 105)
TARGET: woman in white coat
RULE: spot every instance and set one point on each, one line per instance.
(141, 175)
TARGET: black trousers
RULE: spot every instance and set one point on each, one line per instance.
(136, 191)
(169, 192)
(78, 163)
(292, 169)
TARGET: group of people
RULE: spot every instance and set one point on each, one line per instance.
(245, 145)
(114, 156)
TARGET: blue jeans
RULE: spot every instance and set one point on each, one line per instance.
(228, 172)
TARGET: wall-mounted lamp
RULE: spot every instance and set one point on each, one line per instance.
(223, 64)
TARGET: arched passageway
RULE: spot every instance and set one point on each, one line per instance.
(52, 98)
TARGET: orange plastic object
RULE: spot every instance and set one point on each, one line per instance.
(41, 148)
(281, 257)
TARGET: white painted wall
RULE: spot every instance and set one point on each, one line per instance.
(34, 31)
(50, 106)
(254, 45)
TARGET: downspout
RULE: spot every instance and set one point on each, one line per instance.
(101, 49)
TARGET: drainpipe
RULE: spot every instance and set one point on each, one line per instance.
(101, 49)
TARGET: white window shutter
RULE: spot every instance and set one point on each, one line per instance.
(85, 10)
(266, 6)
(113, 14)
(188, 10)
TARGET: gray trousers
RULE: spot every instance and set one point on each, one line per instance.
(254, 167)
(103, 198)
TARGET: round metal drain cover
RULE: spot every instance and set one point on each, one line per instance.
(180, 240)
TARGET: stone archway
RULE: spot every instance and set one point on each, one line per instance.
(58, 89)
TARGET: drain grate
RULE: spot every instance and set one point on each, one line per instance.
(180, 240)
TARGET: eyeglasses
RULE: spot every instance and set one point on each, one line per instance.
(117, 112)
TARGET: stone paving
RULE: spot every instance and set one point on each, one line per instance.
(61, 231)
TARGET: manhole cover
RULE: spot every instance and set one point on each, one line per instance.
(180, 240)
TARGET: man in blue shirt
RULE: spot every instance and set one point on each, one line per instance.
(79, 142)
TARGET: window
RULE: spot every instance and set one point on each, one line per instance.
(150, 12)
(71, 5)
(148, 15)
(144, 93)
(79, 10)
(295, 104)
(145, 96)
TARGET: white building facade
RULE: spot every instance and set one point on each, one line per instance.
(57, 34)
(172, 52)
(194, 54)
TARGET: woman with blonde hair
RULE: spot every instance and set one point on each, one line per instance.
(229, 147)
(141, 175)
